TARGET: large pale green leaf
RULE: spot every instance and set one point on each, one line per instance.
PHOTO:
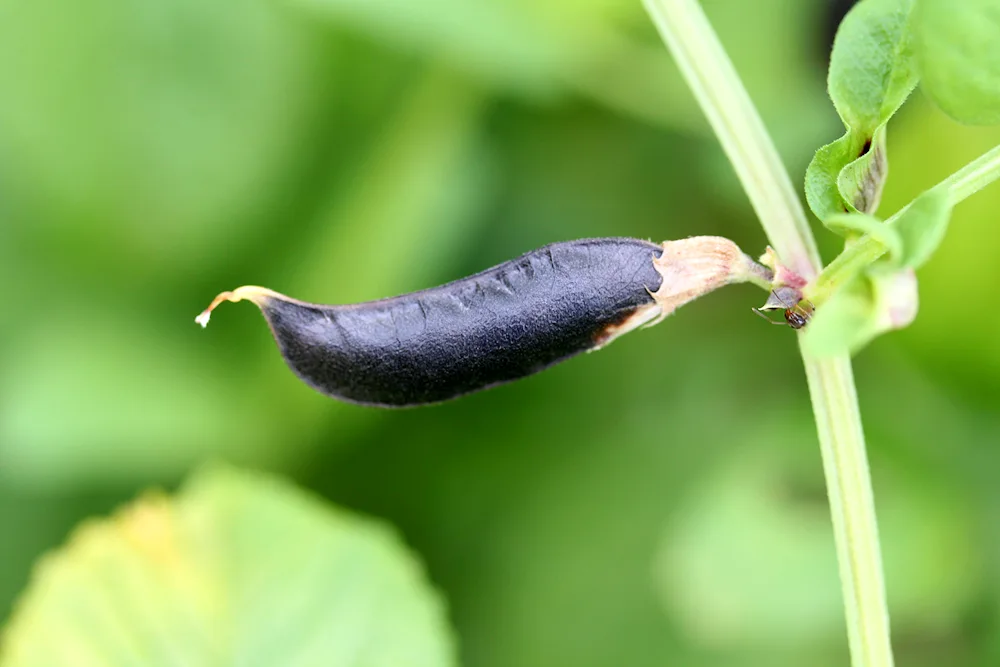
(958, 50)
(238, 569)
(872, 71)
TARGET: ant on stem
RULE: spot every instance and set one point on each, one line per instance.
(797, 314)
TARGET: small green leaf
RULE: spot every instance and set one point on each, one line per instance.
(922, 226)
(843, 323)
(822, 192)
(870, 305)
(872, 69)
(872, 72)
(847, 176)
(238, 569)
(855, 224)
(860, 182)
(958, 51)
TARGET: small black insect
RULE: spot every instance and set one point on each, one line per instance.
(797, 312)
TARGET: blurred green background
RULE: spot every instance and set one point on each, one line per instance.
(660, 502)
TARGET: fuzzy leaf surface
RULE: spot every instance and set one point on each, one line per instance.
(872, 71)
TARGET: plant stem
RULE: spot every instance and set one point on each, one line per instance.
(963, 183)
(974, 176)
(718, 89)
(736, 123)
(848, 484)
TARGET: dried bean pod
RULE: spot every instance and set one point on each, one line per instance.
(507, 322)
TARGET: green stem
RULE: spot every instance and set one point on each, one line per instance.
(725, 101)
(718, 89)
(974, 176)
(965, 182)
(848, 483)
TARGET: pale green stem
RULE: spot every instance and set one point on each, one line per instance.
(735, 120)
(974, 176)
(963, 183)
(715, 83)
(849, 487)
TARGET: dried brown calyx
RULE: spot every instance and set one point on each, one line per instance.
(696, 266)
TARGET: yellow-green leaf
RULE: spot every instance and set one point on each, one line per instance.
(238, 569)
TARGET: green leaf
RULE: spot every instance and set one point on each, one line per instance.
(855, 224)
(822, 191)
(860, 182)
(958, 51)
(922, 226)
(238, 569)
(872, 69)
(843, 323)
(867, 307)
(847, 176)
(871, 74)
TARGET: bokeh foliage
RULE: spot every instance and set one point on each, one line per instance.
(659, 501)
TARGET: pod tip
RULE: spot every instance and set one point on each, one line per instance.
(206, 314)
(249, 292)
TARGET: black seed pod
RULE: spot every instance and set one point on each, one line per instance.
(507, 322)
